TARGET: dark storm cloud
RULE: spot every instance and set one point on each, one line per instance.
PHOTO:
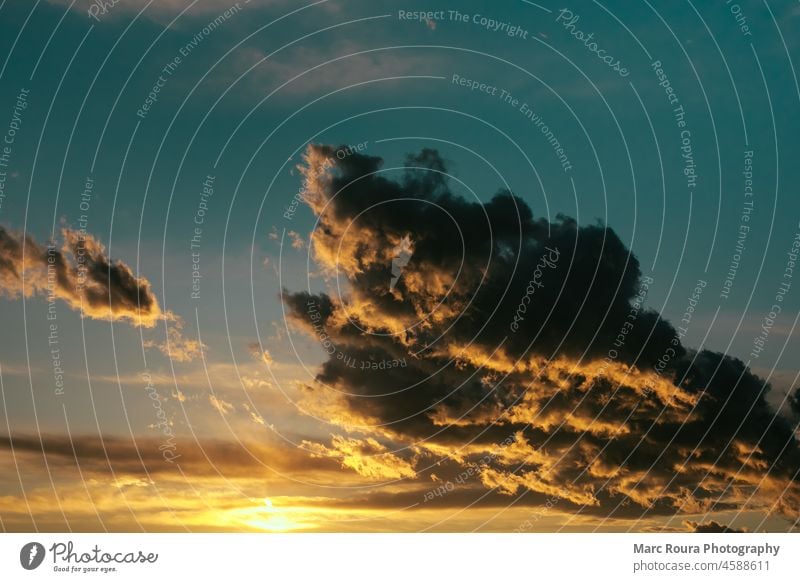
(79, 273)
(526, 339)
(794, 402)
(484, 255)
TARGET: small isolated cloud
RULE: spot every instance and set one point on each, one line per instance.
(298, 242)
(259, 354)
(266, 357)
(220, 405)
(79, 273)
(178, 347)
(254, 415)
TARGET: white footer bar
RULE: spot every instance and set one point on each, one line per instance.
(390, 557)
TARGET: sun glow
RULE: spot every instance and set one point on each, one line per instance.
(266, 516)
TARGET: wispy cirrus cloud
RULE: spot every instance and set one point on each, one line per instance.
(309, 71)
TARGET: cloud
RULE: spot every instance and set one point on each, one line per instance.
(177, 347)
(366, 457)
(220, 405)
(307, 69)
(254, 415)
(212, 485)
(262, 355)
(81, 274)
(712, 527)
(794, 402)
(78, 273)
(218, 485)
(298, 243)
(526, 342)
(142, 456)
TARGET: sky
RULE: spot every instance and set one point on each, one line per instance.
(399, 266)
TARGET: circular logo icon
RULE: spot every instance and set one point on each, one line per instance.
(31, 555)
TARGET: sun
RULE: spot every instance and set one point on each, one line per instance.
(266, 517)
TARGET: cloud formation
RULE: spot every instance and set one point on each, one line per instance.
(526, 340)
(177, 347)
(712, 527)
(367, 457)
(79, 273)
(103, 458)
